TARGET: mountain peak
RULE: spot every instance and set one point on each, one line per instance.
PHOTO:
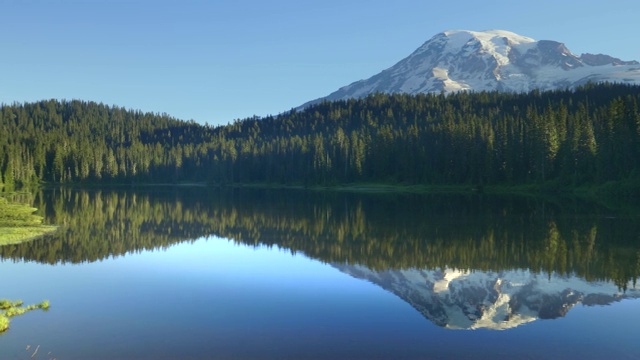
(491, 60)
(488, 35)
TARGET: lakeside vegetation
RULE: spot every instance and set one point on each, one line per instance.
(9, 309)
(554, 141)
(19, 224)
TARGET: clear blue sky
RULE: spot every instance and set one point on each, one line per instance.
(216, 61)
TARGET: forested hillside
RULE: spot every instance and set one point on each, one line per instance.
(586, 136)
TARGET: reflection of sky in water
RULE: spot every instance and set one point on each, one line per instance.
(214, 299)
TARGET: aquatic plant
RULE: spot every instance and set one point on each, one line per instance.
(4, 323)
(6, 304)
(10, 309)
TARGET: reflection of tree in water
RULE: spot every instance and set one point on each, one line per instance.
(379, 231)
(95, 225)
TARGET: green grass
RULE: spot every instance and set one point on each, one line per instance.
(9, 309)
(6, 304)
(9, 236)
(18, 223)
(4, 323)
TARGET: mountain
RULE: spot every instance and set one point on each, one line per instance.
(502, 300)
(499, 60)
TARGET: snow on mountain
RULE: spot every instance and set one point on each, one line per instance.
(502, 300)
(462, 60)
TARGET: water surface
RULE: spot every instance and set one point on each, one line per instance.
(169, 274)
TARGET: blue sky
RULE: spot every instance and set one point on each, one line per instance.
(217, 61)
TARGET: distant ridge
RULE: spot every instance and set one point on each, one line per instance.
(462, 60)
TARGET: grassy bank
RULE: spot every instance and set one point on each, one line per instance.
(614, 195)
(19, 224)
(621, 189)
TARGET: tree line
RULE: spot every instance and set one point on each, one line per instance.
(589, 135)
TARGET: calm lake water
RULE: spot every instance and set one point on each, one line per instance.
(255, 274)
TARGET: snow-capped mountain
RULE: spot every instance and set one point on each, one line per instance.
(492, 300)
(500, 60)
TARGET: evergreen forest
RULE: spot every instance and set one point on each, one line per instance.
(564, 138)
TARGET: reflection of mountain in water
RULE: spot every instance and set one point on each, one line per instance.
(492, 300)
(524, 259)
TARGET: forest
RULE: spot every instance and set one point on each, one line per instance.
(564, 138)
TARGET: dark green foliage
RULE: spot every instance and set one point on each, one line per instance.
(380, 231)
(74, 141)
(590, 135)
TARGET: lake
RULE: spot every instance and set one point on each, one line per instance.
(195, 273)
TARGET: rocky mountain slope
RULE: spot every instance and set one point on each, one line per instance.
(499, 60)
